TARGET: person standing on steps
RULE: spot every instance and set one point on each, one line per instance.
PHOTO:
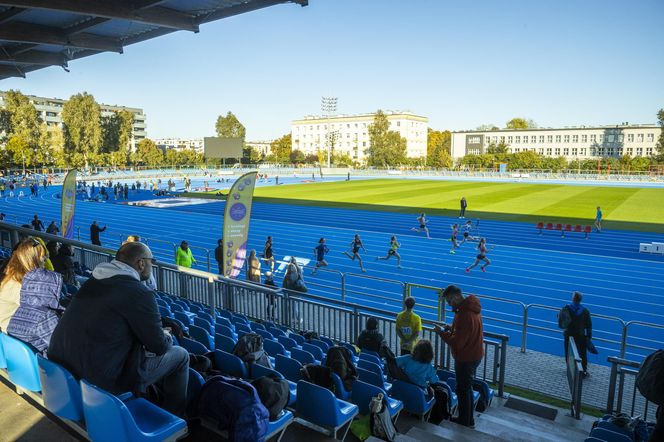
(409, 327)
(463, 204)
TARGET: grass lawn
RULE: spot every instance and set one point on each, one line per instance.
(623, 207)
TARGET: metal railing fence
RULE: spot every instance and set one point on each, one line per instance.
(624, 395)
(574, 378)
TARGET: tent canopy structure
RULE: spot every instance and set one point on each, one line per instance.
(35, 34)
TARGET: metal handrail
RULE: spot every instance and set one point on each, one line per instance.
(621, 367)
(574, 378)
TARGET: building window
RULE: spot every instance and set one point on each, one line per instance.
(593, 138)
(610, 151)
(639, 137)
(557, 150)
(610, 138)
(549, 151)
(575, 138)
(584, 138)
(364, 144)
(541, 151)
(648, 151)
(566, 151)
(639, 151)
(601, 137)
(582, 151)
(549, 138)
(601, 151)
(630, 151)
(517, 139)
(575, 151)
(502, 139)
(558, 138)
(630, 138)
(651, 137)
(533, 139)
(566, 138)
(510, 140)
(621, 138)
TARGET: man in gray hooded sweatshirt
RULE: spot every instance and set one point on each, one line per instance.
(111, 333)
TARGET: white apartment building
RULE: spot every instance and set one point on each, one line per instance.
(570, 142)
(50, 111)
(350, 133)
(180, 143)
(264, 146)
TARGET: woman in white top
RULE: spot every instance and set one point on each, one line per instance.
(28, 255)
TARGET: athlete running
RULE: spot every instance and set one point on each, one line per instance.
(467, 229)
(320, 251)
(483, 250)
(356, 245)
(423, 225)
(393, 251)
(453, 238)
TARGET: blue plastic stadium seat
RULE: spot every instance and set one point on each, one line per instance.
(258, 371)
(240, 319)
(611, 427)
(277, 427)
(201, 335)
(108, 419)
(264, 333)
(453, 386)
(162, 303)
(324, 346)
(371, 357)
(195, 308)
(242, 329)
(362, 394)
(273, 348)
(288, 343)
(193, 346)
(61, 392)
(288, 367)
(370, 366)
(256, 326)
(350, 347)
(374, 379)
(303, 357)
(165, 312)
(3, 361)
(328, 341)
(225, 314)
(297, 338)
(208, 317)
(225, 331)
(224, 343)
(314, 350)
(339, 388)
(21, 363)
(413, 398)
(276, 331)
(319, 406)
(203, 323)
(609, 436)
(182, 317)
(230, 364)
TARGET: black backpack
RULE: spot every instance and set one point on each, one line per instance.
(249, 348)
(441, 408)
(393, 370)
(309, 335)
(274, 393)
(319, 375)
(564, 318)
(340, 361)
(650, 379)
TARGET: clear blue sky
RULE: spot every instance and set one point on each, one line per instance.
(459, 63)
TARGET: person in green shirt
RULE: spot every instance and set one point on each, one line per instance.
(183, 255)
(409, 327)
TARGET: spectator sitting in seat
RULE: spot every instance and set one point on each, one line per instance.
(64, 264)
(111, 334)
(417, 365)
(28, 255)
(370, 338)
(39, 309)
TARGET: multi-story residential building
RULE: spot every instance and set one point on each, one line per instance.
(180, 143)
(261, 146)
(350, 133)
(50, 111)
(570, 142)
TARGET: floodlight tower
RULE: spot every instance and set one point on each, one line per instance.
(328, 106)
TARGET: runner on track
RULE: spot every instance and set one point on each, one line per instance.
(423, 225)
(393, 251)
(355, 246)
(481, 256)
(320, 251)
(453, 238)
(268, 254)
(598, 220)
(467, 229)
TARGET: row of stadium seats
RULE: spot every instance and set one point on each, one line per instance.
(564, 228)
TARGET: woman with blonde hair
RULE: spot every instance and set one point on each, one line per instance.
(254, 270)
(28, 255)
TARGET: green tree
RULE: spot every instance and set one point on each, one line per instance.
(296, 156)
(500, 148)
(660, 140)
(341, 159)
(387, 148)
(229, 126)
(81, 116)
(250, 155)
(190, 157)
(147, 153)
(21, 153)
(487, 127)
(520, 123)
(281, 149)
(23, 118)
(439, 144)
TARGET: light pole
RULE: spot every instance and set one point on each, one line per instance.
(328, 106)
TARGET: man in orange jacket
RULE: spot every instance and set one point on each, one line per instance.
(465, 337)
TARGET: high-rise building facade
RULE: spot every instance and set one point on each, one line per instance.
(570, 142)
(50, 111)
(350, 133)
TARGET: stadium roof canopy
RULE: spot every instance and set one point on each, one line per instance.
(35, 34)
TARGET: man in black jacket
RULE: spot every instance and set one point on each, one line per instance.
(111, 333)
(580, 328)
(94, 233)
(219, 255)
(370, 338)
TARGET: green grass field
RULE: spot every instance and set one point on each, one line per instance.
(623, 207)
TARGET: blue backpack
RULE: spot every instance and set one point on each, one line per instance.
(236, 407)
